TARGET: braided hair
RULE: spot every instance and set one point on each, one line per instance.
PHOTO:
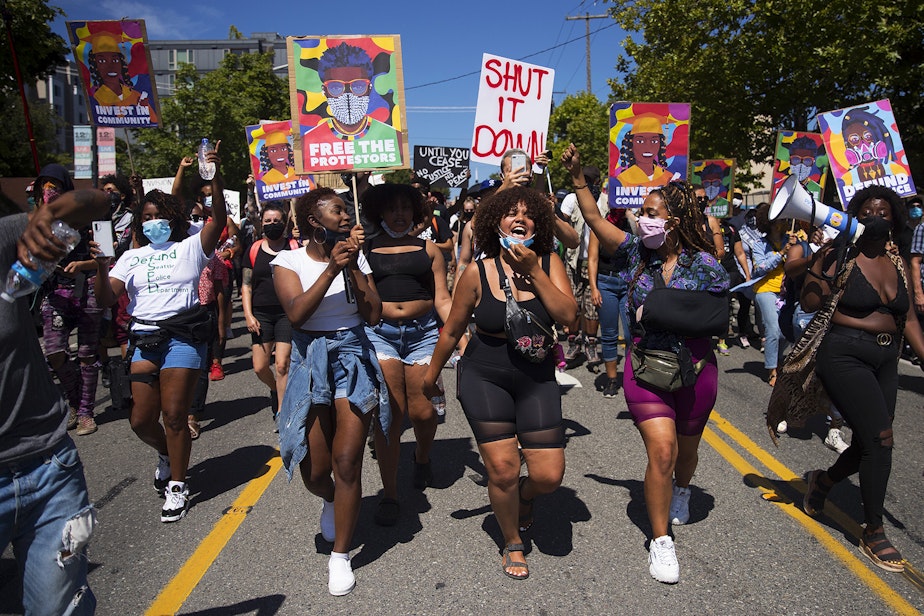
(627, 156)
(680, 201)
(266, 165)
(97, 79)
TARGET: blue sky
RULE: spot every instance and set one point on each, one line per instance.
(439, 40)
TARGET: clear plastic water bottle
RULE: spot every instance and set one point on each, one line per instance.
(206, 169)
(439, 402)
(22, 281)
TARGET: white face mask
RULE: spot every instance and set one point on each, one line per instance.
(348, 108)
(712, 192)
(800, 171)
(196, 227)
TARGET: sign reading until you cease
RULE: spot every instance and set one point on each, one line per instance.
(440, 165)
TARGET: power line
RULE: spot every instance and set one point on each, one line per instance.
(478, 72)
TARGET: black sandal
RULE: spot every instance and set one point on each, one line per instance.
(526, 519)
(387, 513)
(875, 545)
(509, 562)
(815, 496)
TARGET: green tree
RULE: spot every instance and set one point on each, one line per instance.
(39, 51)
(583, 120)
(751, 68)
(217, 105)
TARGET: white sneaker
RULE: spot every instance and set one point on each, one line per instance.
(327, 521)
(662, 560)
(340, 580)
(835, 441)
(781, 427)
(176, 503)
(680, 505)
(162, 475)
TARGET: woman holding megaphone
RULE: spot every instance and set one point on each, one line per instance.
(862, 291)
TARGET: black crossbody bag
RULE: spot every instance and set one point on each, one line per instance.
(526, 334)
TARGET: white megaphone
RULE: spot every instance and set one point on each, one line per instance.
(793, 201)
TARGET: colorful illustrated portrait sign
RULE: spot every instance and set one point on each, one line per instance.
(864, 148)
(441, 166)
(115, 66)
(804, 156)
(717, 177)
(348, 107)
(649, 147)
(272, 161)
(514, 104)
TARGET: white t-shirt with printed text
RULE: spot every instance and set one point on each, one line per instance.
(161, 282)
(334, 312)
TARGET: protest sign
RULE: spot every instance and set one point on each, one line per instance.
(272, 160)
(864, 148)
(348, 107)
(83, 152)
(802, 155)
(717, 177)
(441, 166)
(232, 197)
(514, 104)
(105, 151)
(115, 66)
(649, 147)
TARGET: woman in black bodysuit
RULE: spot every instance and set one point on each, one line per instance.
(508, 400)
(857, 361)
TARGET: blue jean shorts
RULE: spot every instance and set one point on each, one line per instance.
(175, 353)
(410, 340)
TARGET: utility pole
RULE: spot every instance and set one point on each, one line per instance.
(587, 17)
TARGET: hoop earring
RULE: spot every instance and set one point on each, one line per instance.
(314, 235)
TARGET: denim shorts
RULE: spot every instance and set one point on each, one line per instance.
(174, 353)
(410, 340)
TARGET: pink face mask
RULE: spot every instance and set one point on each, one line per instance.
(652, 231)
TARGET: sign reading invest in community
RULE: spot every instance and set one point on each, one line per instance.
(649, 147)
(717, 177)
(802, 155)
(440, 165)
(348, 107)
(514, 104)
(115, 66)
(864, 148)
(272, 160)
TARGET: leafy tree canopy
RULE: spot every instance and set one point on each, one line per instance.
(217, 105)
(751, 68)
(583, 120)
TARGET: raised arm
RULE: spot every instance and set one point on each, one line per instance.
(211, 231)
(177, 189)
(610, 236)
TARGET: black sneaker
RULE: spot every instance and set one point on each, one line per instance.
(612, 387)
(176, 503)
(423, 475)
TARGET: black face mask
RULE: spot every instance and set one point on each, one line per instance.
(274, 230)
(876, 228)
(751, 223)
(115, 200)
(467, 215)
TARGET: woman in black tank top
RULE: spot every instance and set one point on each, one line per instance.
(410, 275)
(507, 400)
(857, 361)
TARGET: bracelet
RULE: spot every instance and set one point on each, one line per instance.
(580, 187)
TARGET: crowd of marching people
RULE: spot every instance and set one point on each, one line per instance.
(354, 303)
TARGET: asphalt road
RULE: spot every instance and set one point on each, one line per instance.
(251, 545)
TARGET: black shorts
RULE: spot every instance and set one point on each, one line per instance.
(274, 326)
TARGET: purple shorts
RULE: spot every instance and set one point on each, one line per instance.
(689, 407)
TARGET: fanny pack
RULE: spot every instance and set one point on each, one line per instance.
(528, 336)
(666, 370)
(195, 325)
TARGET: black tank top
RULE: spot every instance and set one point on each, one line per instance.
(263, 293)
(490, 311)
(860, 298)
(403, 276)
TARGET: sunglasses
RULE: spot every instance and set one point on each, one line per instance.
(808, 161)
(358, 87)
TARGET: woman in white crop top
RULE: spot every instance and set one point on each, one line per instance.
(335, 384)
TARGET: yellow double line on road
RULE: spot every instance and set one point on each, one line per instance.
(859, 568)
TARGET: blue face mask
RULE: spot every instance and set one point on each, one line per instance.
(915, 212)
(157, 230)
(507, 241)
(207, 202)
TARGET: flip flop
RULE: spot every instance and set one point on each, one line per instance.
(509, 562)
(194, 428)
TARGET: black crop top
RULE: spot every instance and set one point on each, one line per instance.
(860, 299)
(403, 276)
(490, 312)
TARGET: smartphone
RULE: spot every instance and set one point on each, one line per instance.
(102, 235)
(518, 162)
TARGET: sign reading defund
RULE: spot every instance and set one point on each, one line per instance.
(514, 104)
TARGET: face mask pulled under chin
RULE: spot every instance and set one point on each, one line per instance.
(508, 241)
(652, 232)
